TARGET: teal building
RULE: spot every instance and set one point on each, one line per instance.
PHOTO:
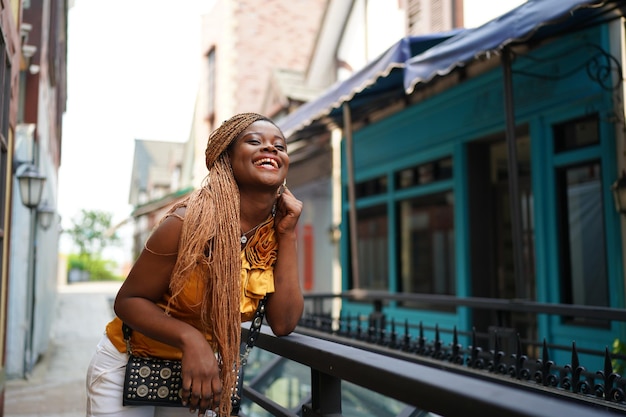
(484, 169)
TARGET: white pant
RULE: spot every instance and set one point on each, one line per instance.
(105, 383)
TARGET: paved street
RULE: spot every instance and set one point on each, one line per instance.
(57, 385)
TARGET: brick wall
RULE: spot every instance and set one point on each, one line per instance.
(280, 34)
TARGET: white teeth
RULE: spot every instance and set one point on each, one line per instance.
(270, 161)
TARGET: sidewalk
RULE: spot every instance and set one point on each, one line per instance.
(56, 387)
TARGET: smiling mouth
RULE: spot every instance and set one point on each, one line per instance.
(266, 162)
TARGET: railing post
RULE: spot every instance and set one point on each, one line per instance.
(326, 396)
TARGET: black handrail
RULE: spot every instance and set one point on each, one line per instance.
(440, 391)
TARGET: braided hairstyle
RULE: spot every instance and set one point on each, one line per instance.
(210, 239)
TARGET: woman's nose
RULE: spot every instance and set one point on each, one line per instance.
(270, 147)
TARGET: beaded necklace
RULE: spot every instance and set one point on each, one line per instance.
(244, 235)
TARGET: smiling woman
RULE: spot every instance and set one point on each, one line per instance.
(200, 275)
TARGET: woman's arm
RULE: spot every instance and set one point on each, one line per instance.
(146, 284)
(136, 301)
(285, 305)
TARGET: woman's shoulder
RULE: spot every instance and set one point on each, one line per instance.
(165, 237)
(178, 213)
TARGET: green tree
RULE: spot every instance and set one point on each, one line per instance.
(91, 232)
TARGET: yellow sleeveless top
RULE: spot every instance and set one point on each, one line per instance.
(257, 279)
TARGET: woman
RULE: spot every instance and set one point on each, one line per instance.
(203, 271)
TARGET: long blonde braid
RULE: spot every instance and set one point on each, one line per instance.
(210, 239)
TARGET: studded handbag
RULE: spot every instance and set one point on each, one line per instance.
(158, 382)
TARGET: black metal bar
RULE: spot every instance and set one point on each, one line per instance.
(270, 406)
(514, 198)
(591, 312)
(427, 387)
(326, 396)
(352, 216)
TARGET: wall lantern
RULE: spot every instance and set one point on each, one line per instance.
(619, 193)
(46, 215)
(334, 233)
(31, 186)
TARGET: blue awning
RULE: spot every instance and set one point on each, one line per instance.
(539, 18)
(418, 59)
(379, 75)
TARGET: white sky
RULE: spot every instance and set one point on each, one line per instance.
(132, 74)
(478, 12)
(133, 67)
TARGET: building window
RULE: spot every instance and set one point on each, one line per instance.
(53, 39)
(581, 235)
(372, 238)
(427, 16)
(413, 17)
(576, 134)
(580, 216)
(371, 187)
(211, 83)
(426, 244)
(5, 83)
(422, 230)
(424, 173)
(5, 104)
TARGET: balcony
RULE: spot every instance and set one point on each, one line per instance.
(366, 367)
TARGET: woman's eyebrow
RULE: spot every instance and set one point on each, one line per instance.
(261, 134)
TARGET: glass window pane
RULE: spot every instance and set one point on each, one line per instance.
(372, 248)
(357, 401)
(426, 244)
(211, 74)
(5, 101)
(576, 134)
(371, 187)
(288, 383)
(582, 236)
(424, 173)
(284, 382)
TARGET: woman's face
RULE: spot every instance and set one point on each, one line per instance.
(259, 156)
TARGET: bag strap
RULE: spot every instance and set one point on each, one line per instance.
(245, 348)
(244, 351)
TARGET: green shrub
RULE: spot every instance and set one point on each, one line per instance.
(619, 366)
(75, 261)
(97, 269)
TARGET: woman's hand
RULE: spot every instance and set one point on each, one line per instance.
(288, 209)
(201, 385)
(285, 305)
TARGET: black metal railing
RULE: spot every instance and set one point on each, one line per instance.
(318, 311)
(376, 333)
(446, 378)
(420, 386)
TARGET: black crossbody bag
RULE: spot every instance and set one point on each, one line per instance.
(158, 382)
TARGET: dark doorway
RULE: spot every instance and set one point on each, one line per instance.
(491, 238)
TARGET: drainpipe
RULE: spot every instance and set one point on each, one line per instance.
(514, 198)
